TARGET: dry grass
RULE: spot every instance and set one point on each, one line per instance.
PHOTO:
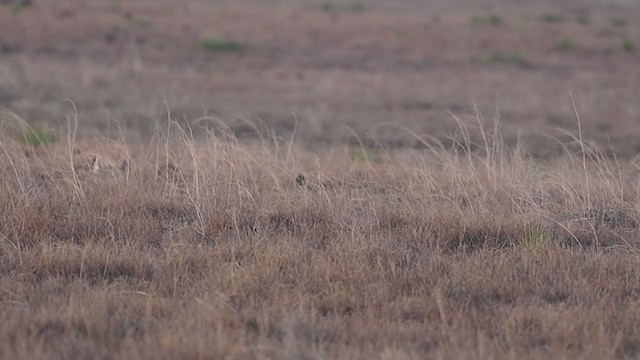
(352, 223)
(217, 249)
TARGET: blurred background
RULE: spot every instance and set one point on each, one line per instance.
(334, 72)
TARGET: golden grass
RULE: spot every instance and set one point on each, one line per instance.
(217, 249)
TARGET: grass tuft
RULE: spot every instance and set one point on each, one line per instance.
(480, 22)
(17, 7)
(619, 22)
(222, 45)
(514, 59)
(552, 18)
(141, 22)
(37, 137)
(564, 45)
(584, 20)
(352, 7)
(628, 46)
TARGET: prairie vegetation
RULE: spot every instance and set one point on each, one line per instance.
(219, 249)
(312, 180)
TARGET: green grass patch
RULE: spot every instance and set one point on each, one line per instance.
(16, 8)
(552, 18)
(514, 59)
(534, 238)
(358, 153)
(352, 7)
(564, 45)
(37, 137)
(141, 22)
(355, 7)
(628, 46)
(619, 22)
(222, 45)
(583, 20)
(479, 22)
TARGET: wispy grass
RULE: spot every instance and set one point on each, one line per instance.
(444, 244)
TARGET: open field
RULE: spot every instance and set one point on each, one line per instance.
(311, 180)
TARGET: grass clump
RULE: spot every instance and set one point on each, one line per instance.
(534, 238)
(515, 59)
(584, 20)
(552, 18)
(141, 22)
(628, 46)
(352, 7)
(222, 45)
(356, 7)
(479, 22)
(359, 154)
(564, 45)
(37, 137)
(16, 7)
(619, 22)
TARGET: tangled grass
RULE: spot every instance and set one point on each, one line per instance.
(213, 248)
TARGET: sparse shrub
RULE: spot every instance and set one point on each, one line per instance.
(628, 46)
(222, 45)
(564, 44)
(619, 22)
(37, 137)
(552, 18)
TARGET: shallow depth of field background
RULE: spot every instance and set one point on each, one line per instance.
(331, 70)
(305, 179)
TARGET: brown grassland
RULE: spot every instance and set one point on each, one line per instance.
(309, 180)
